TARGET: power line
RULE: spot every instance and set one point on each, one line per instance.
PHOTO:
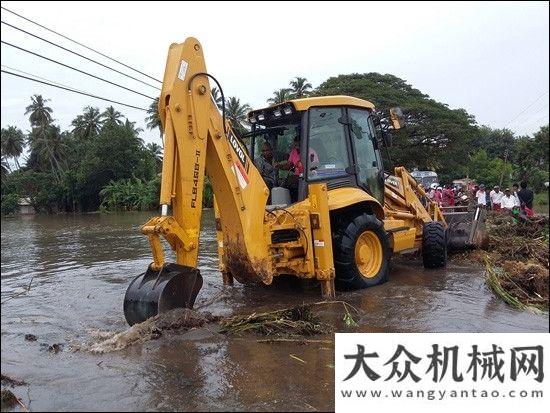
(531, 115)
(74, 90)
(78, 70)
(78, 54)
(532, 119)
(523, 111)
(83, 45)
(38, 77)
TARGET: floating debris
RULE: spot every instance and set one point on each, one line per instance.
(8, 399)
(288, 322)
(150, 329)
(52, 348)
(9, 381)
(294, 321)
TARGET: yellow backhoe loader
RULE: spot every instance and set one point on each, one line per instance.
(335, 217)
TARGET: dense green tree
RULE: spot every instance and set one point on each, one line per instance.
(498, 143)
(40, 119)
(280, 96)
(542, 149)
(155, 149)
(13, 142)
(88, 124)
(112, 115)
(530, 158)
(40, 114)
(47, 150)
(116, 153)
(153, 120)
(236, 112)
(10, 204)
(42, 191)
(300, 87)
(5, 168)
(489, 171)
(131, 126)
(216, 95)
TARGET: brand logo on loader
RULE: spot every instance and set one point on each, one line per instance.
(237, 148)
(195, 179)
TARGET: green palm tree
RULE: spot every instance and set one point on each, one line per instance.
(5, 168)
(40, 114)
(280, 96)
(153, 120)
(112, 115)
(88, 124)
(13, 142)
(237, 112)
(217, 97)
(300, 87)
(47, 147)
(155, 149)
(131, 126)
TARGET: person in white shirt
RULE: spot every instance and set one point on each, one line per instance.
(514, 192)
(431, 192)
(481, 196)
(496, 195)
(508, 201)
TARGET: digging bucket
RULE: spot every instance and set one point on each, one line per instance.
(154, 292)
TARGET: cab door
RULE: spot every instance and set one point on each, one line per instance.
(368, 163)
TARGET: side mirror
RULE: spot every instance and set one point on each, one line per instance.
(396, 117)
(387, 138)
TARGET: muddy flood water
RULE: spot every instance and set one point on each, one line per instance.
(78, 268)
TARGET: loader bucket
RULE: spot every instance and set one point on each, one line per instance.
(466, 227)
(154, 292)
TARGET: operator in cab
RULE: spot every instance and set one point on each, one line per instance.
(265, 166)
(296, 166)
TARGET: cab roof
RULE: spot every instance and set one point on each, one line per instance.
(299, 105)
(306, 103)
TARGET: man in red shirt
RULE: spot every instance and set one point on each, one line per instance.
(295, 164)
(448, 196)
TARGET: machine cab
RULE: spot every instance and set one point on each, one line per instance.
(329, 139)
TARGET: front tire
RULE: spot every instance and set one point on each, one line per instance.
(362, 253)
(434, 245)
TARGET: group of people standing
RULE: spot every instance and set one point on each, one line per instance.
(513, 200)
(443, 196)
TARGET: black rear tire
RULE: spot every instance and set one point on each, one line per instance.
(434, 245)
(345, 238)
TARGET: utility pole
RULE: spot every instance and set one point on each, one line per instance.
(502, 172)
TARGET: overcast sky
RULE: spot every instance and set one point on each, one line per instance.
(488, 58)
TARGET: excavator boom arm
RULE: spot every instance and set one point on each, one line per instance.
(199, 143)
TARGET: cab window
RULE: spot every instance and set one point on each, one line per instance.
(328, 155)
(368, 159)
